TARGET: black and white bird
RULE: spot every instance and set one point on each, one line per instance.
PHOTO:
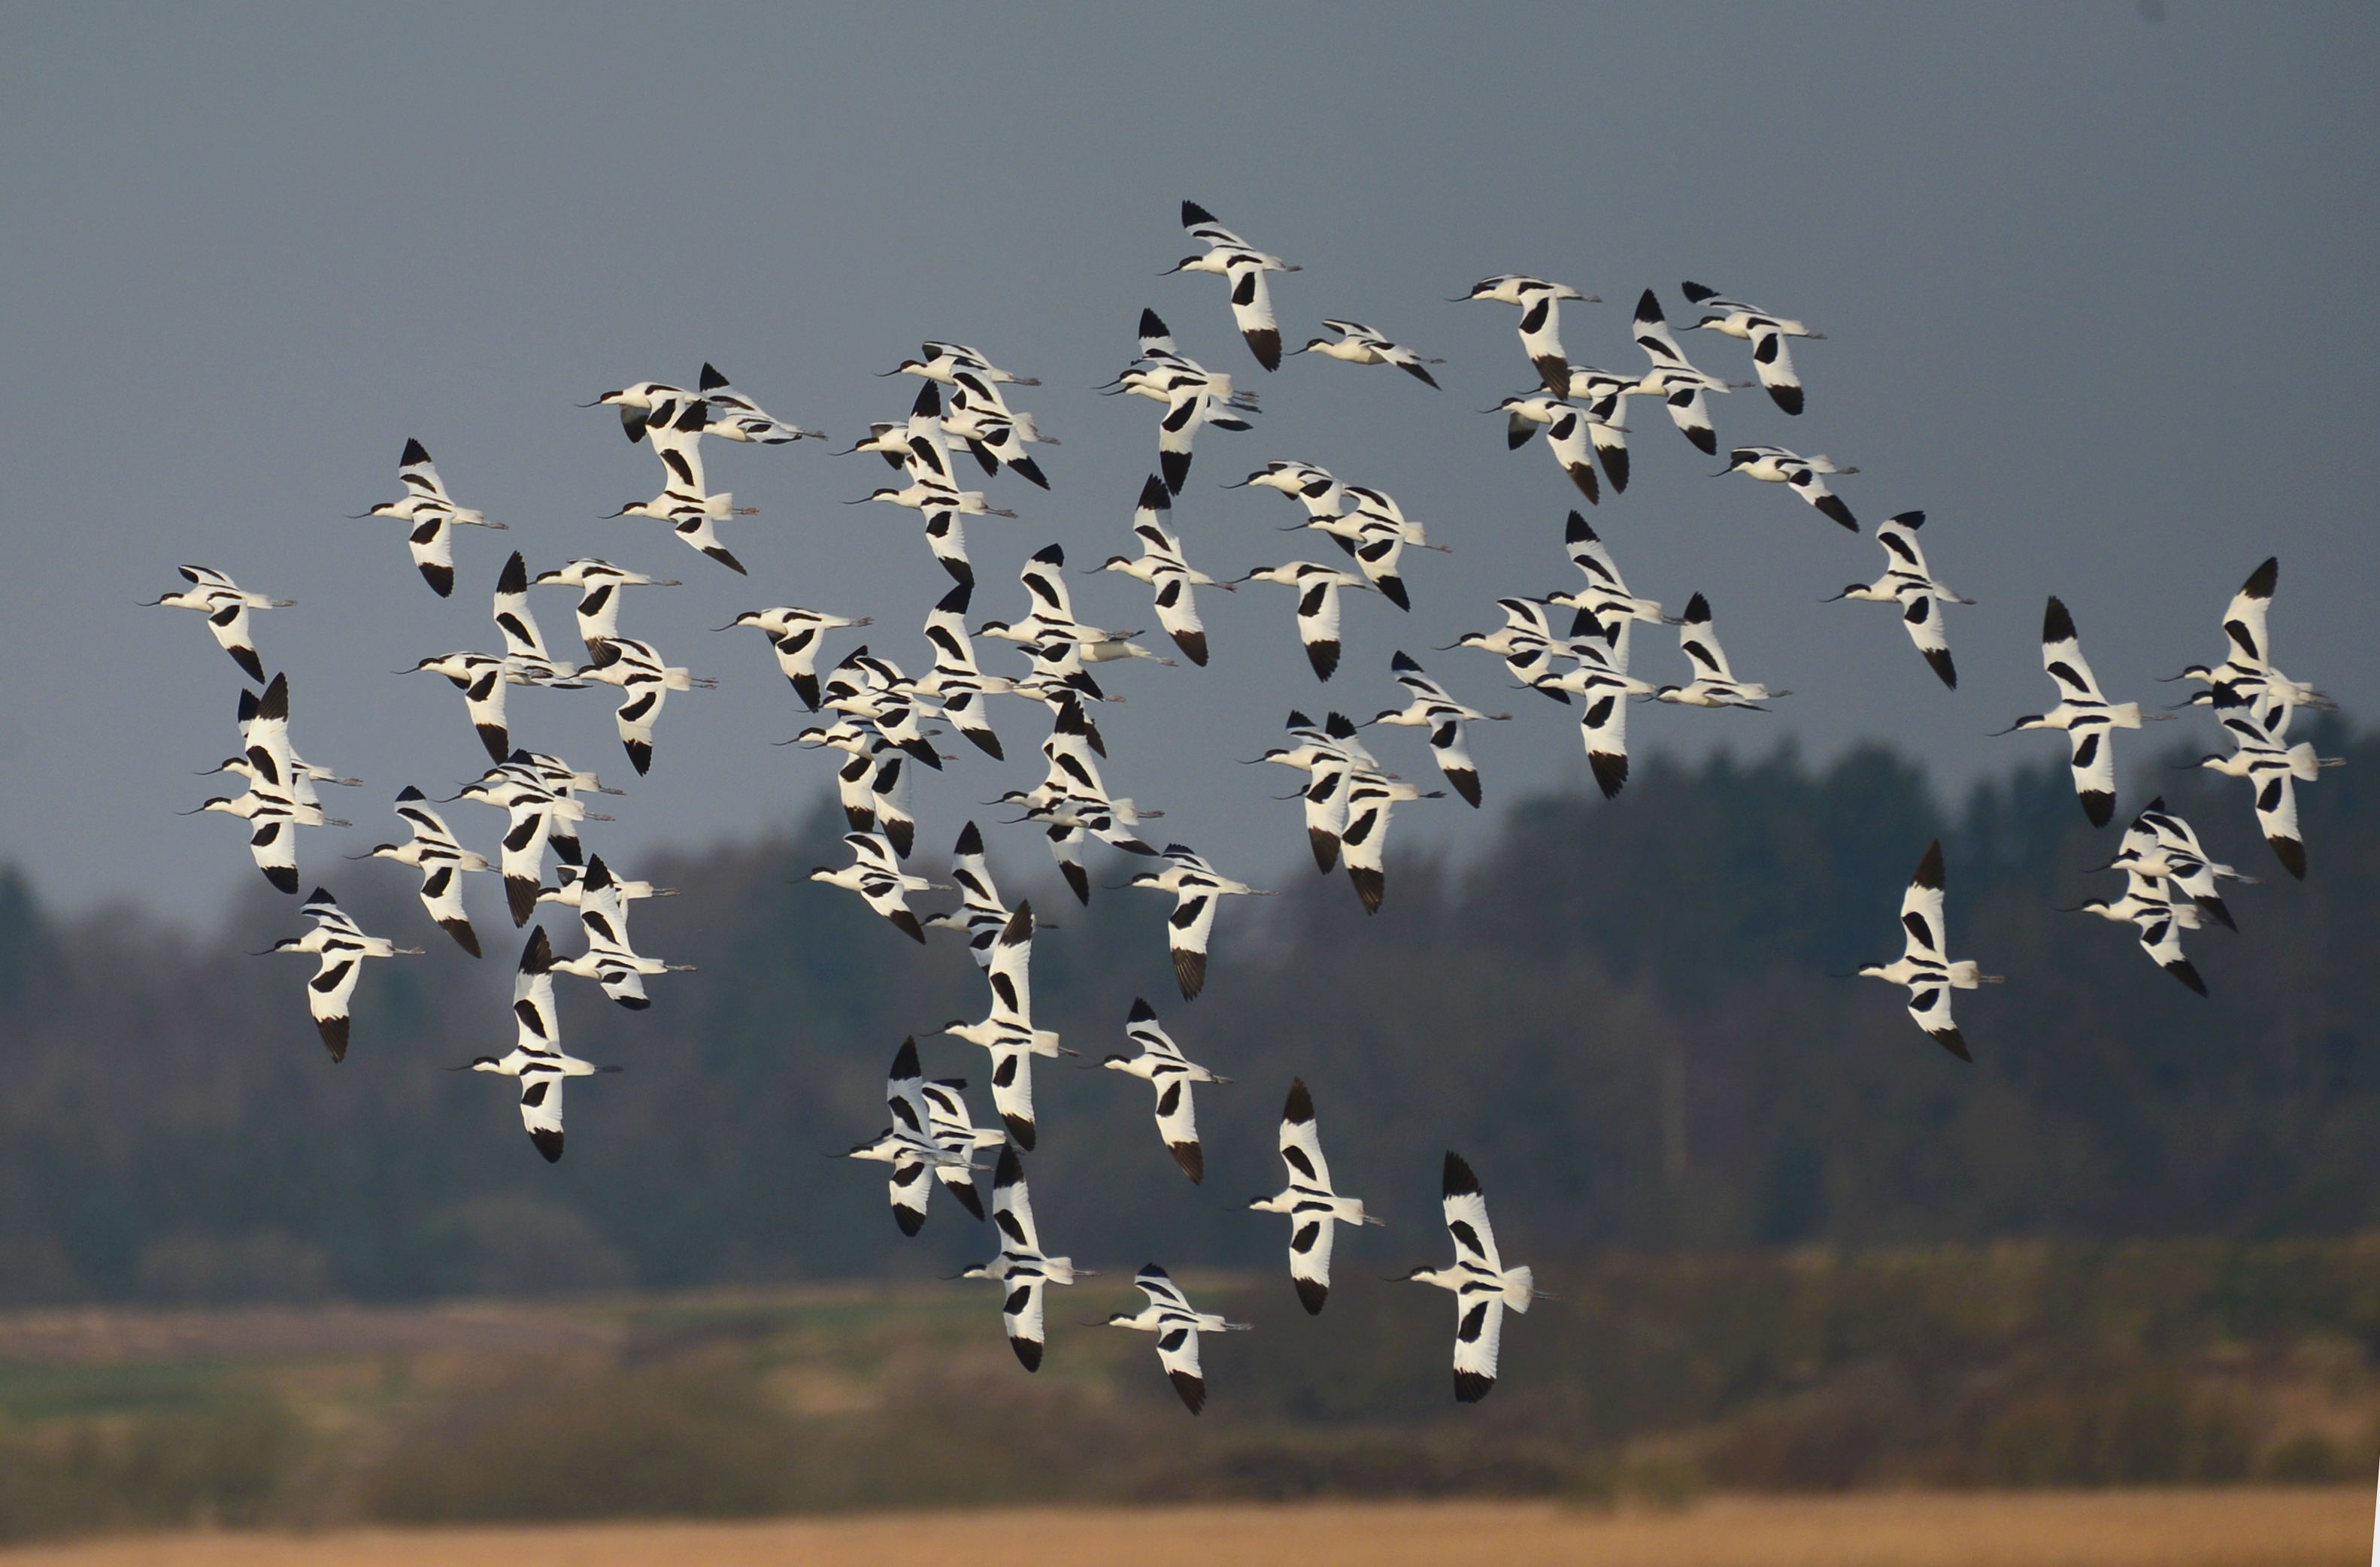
(1432, 708)
(875, 874)
(644, 682)
(1775, 465)
(2162, 846)
(1907, 583)
(685, 502)
(1925, 966)
(431, 515)
(1373, 529)
(1714, 685)
(1605, 596)
(599, 584)
(1605, 394)
(226, 604)
(527, 661)
(994, 433)
(1330, 768)
(442, 860)
(1021, 1269)
(1162, 566)
(944, 363)
(536, 1058)
(1195, 886)
(481, 678)
(2088, 719)
(1359, 344)
(2261, 754)
(735, 417)
(273, 814)
(1766, 334)
(1683, 390)
(794, 635)
(1314, 1208)
(532, 808)
(1483, 1286)
(1528, 641)
(1364, 840)
(1163, 1066)
(980, 916)
(340, 947)
(2151, 909)
(909, 1145)
(1051, 615)
(1177, 1325)
(1318, 588)
(952, 1124)
(1569, 435)
(1540, 305)
(266, 754)
(1007, 1030)
(609, 960)
(2247, 668)
(1228, 256)
(1192, 394)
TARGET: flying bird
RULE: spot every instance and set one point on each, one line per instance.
(1161, 1064)
(340, 947)
(794, 636)
(1432, 708)
(1682, 388)
(1314, 1208)
(1540, 305)
(908, 1145)
(2089, 720)
(599, 584)
(1021, 1269)
(1177, 1325)
(1775, 465)
(644, 682)
(1229, 256)
(1162, 566)
(536, 1058)
(1925, 966)
(1007, 1031)
(876, 875)
(1907, 583)
(2151, 909)
(1482, 1286)
(442, 860)
(432, 515)
(226, 604)
(1714, 685)
(1195, 885)
(1317, 590)
(1359, 344)
(1766, 334)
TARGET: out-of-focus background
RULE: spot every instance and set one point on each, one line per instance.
(2089, 284)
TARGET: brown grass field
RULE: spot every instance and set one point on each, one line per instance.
(2244, 1528)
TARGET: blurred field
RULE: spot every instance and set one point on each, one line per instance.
(2231, 1528)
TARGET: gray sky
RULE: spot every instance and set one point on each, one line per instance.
(2094, 285)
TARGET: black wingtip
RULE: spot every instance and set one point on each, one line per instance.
(1611, 772)
(1371, 887)
(549, 1143)
(1155, 496)
(464, 937)
(2263, 579)
(1324, 843)
(1141, 1011)
(1786, 397)
(1153, 326)
(2098, 805)
(1189, 972)
(1298, 1107)
(1193, 213)
(1458, 1181)
(1192, 1158)
(282, 876)
(335, 1036)
(537, 952)
(1470, 1387)
(1193, 645)
(1020, 1130)
(414, 453)
(1264, 342)
(1952, 1040)
(514, 578)
(440, 577)
(1311, 1295)
(1939, 658)
(2057, 626)
(1079, 881)
(1929, 868)
(1832, 506)
(905, 1060)
(1028, 1351)
(1698, 611)
(970, 841)
(906, 923)
(1393, 589)
(1010, 1168)
(641, 755)
(1324, 656)
(1176, 466)
(2182, 970)
(1192, 1389)
(245, 658)
(909, 1218)
(2290, 852)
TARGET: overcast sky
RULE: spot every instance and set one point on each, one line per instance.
(2093, 278)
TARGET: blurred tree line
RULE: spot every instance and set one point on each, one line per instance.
(1626, 1014)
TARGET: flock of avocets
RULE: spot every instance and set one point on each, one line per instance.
(881, 713)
